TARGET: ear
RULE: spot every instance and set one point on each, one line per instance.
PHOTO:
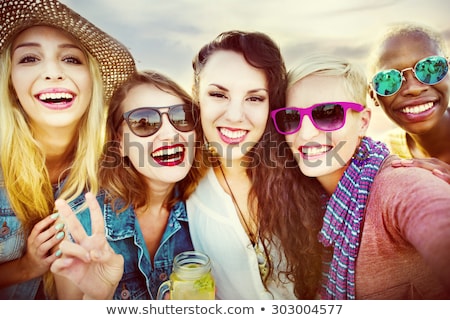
(365, 115)
(373, 95)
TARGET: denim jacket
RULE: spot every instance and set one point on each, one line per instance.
(141, 278)
(13, 245)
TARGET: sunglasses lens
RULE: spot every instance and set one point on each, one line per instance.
(183, 117)
(328, 117)
(287, 121)
(144, 122)
(387, 82)
(431, 70)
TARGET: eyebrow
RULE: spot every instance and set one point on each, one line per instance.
(36, 44)
(250, 91)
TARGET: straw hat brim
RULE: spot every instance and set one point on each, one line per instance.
(115, 61)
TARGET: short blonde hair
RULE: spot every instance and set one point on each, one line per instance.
(355, 80)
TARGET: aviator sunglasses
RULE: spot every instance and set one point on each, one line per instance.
(429, 71)
(326, 116)
(146, 121)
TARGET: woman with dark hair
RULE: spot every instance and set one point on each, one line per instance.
(239, 78)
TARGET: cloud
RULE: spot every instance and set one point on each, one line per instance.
(165, 35)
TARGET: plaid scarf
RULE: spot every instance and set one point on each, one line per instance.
(343, 219)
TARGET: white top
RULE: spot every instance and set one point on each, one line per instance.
(216, 230)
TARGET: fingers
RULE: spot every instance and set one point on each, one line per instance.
(74, 226)
(44, 224)
(45, 235)
(438, 173)
(405, 163)
(97, 224)
(69, 253)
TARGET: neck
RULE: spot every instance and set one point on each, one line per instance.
(330, 181)
(233, 167)
(59, 152)
(433, 143)
(157, 195)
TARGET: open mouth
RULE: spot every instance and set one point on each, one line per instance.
(314, 151)
(232, 136)
(56, 100)
(417, 109)
(169, 155)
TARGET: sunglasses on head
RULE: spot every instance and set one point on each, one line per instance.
(429, 71)
(326, 116)
(146, 121)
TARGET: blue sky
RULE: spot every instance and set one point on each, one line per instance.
(165, 35)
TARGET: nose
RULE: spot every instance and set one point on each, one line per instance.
(307, 130)
(411, 85)
(53, 71)
(167, 130)
(235, 111)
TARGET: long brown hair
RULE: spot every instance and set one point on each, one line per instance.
(280, 190)
(117, 174)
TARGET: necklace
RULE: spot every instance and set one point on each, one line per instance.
(261, 257)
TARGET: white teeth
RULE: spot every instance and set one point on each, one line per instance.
(313, 151)
(233, 134)
(167, 152)
(418, 109)
(55, 96)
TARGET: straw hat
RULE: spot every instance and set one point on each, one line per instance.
(114, 59)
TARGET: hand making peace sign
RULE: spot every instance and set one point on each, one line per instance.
(88, 262)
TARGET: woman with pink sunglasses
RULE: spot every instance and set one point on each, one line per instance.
(411, 84)
(385, 231)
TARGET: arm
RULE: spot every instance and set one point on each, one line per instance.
(88, 268)
(39, 255)
(439, 168)
(421, 211)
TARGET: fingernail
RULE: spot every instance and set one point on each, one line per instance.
(59, 226)
(60, 235)
(58, 253)
(55, 215)
(438, 172)
(407, 161)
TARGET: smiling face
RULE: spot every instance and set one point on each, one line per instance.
(322, 154)
(416, 107)
(234, 103)
(51, 77)
(167, 155)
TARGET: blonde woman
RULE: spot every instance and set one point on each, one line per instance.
(58, 71)
(387, 229)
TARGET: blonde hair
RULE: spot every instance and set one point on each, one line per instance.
(353, 76)
(23, 163)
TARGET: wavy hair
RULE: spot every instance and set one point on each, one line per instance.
(23, 162)
(123, 182)
(279, 192)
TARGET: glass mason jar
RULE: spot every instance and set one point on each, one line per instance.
(191, 278)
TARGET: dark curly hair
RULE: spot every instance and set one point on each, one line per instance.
(285, 198)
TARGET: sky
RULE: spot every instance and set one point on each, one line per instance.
(164, 35)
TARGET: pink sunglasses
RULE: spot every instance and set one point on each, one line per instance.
(325, 116)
